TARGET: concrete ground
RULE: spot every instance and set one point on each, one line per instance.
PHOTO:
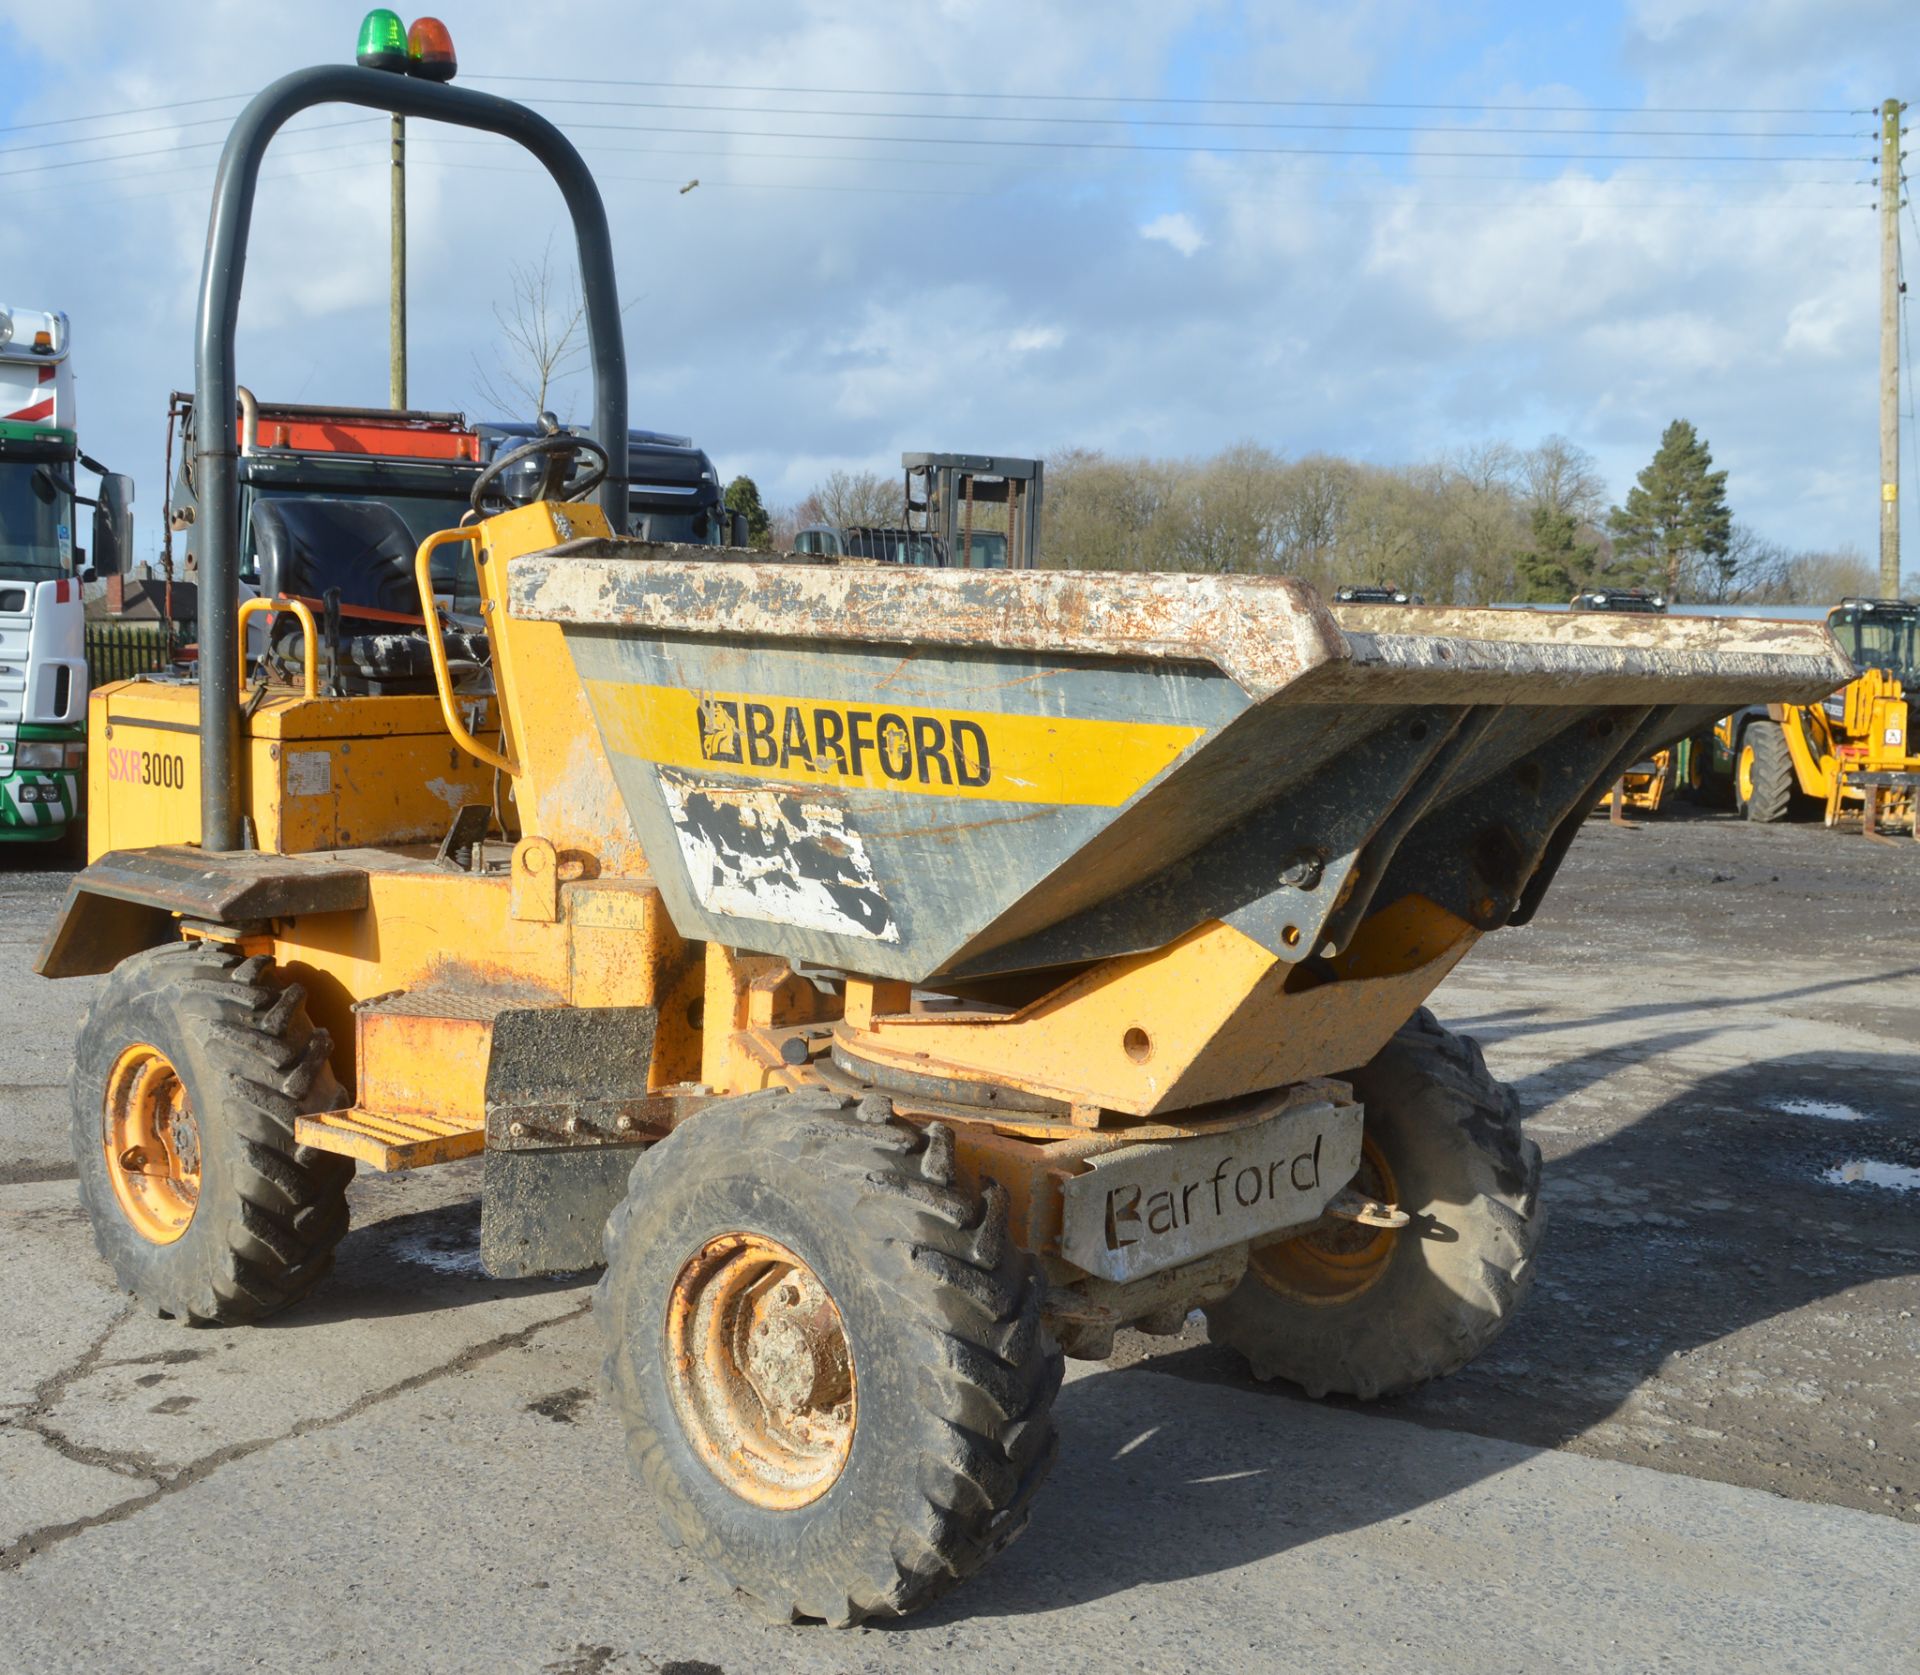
(1699, 1445)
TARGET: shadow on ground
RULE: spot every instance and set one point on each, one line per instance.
(416, 1262)
(1707, 1217)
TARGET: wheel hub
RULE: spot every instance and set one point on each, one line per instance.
(797, 1356)
(1339, 1259)
(760, 1370)
(152, 1144)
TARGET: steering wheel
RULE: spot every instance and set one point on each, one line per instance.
(558, 451)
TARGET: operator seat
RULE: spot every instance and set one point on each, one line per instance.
(308, 546)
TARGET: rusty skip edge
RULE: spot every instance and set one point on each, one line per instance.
(1679, 659)
(1263, 632)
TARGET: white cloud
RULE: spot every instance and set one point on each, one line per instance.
(1175, 228)
(828, 302)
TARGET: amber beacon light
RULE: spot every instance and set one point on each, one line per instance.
(430, 51)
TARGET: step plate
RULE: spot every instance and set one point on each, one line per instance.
(386, 1143)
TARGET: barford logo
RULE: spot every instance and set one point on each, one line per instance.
(1146, 1208)
(1172, 1210)
(848, 743)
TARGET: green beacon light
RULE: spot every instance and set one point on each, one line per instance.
(383, 42)
(430, 50)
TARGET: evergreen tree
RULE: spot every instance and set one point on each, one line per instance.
(1676, 518)
(743, 495)
(1559, 564)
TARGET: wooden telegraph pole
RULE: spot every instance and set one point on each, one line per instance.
(1890, 348)
(397, 295)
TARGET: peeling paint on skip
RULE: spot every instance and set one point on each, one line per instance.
(767, 854)
(1264, 632)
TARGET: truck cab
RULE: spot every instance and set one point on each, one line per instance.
(43, 663)
(1637, 600)
(422, 464)
(673, 491)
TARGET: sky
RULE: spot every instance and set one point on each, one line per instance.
(1378, 228)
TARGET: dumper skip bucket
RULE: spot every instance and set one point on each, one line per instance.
(954, 774)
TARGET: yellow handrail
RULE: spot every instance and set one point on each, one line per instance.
(442, 679)
(309, 639)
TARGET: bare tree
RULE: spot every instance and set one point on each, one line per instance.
(785, 522)
(543, 339)
(1488, 467)
(1313, 507)
(1823, 578)
(1488, 522)
(860, 499)
(1564, 478)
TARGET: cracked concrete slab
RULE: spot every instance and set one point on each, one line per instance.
(166, 1396)
(1187, 1526)
(44, 1487)
(1685, 1450)
(62, 1296)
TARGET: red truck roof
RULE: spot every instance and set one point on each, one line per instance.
(376, 431)
(367, 430)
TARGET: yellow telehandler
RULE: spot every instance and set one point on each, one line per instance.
(1853, 747)
(897, 977)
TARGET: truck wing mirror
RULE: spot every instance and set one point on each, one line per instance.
(113, 525)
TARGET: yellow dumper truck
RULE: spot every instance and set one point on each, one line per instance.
(898, 977)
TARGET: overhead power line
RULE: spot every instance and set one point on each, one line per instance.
(766, 185)
(1001, 96)
(118, 134)
(115, 115)
(1716, 187)
(1182, 121)
(203, 167)
(915, 160)
(1411, 200)
(1169, 99)
(166, 150)
(1215, 150)
(1055, 121)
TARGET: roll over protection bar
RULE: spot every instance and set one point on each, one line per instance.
(215, 382)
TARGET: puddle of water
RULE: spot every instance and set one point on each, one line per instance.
(1868, 1171)
(1826, 1110)
(436, 1252)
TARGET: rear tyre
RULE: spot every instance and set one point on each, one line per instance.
(1763, 776)
(828, 1357)
(1363, 1311)
(190, 1070)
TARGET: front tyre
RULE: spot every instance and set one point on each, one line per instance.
(828, 1358)
(1362, 1311)
(1763, 775)
(190, 1070)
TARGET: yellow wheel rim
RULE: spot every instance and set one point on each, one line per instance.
(152, 1144)
(1745, 773)
(760, 1371)
(1339, 1260)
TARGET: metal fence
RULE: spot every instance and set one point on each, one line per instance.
(121, 650)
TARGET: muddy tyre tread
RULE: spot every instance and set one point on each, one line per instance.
(959, 1458)
(1774, 779)
(270, 1211)
(1441, 1302)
